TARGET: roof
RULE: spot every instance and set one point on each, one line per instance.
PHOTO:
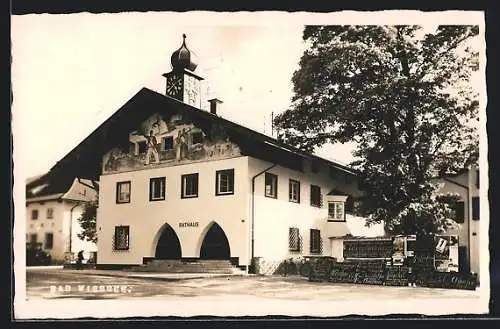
(85, 159)
(46, 197)
(32, 179)
(47, 186)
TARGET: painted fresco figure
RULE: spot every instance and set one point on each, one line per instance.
(152, 145)
(180, 145)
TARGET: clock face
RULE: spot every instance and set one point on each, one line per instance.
(174, 85)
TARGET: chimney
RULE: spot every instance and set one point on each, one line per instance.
(213, 105)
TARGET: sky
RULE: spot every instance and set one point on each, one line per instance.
(71, 72)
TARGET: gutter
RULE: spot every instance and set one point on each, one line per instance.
(253, 210)
(87, 185)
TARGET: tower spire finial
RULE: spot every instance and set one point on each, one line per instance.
(183, 58)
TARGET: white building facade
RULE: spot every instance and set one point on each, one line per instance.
(466, 185)
(52, 220)
(178, 182)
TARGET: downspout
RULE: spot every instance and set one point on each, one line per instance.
(71, 225)
(253, 211)
(469, 216)
(469, 212)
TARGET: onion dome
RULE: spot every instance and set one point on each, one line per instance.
(183, 58)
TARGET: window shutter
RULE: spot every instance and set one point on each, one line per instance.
(459, 212)
(115, 242)
(196, 184)
(475, 208)
(163, 143)
(311, 244)
(231, 180)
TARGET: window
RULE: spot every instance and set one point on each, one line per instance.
(477, 178)
(121, 241)
(316, 199)
(224, 182)
(197, 137)
(315, 241)
(123, 192)
(50, 213)
(336, 211)
(294, 191)
(157, 189)
(459, 212)
(49, 240)
(34, 214)
(271, 185)
(131, 148)
(33, 238)
(475, 208)
(189, 186)
(168, 143)
(142, 147)
(293, 239)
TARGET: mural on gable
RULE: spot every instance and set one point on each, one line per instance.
(160, 141)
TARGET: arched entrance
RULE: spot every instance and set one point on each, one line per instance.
(215, 244)
(168, 246)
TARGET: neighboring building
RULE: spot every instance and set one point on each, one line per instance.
(465, 184)
(178, 182)
(52, 214)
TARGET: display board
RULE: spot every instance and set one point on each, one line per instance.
(368, 248)
(396, 275)
(446, 253)
(370, 272)
(449, 280)
(395, 261)
(320, 269)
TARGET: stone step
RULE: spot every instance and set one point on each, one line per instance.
(198, 266)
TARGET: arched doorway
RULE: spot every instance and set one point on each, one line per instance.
(215, 244)
(168, 246)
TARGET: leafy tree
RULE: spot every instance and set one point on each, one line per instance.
(403, 95)
(88, 222)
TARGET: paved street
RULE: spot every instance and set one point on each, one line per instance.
(92, 284)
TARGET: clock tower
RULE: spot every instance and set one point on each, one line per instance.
(182, 83)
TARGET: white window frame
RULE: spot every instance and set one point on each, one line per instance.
(120, 194)
(294, 186)
(336, 206)
(229, 174)
(153, 186)
(273, 192)
(185, 185)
